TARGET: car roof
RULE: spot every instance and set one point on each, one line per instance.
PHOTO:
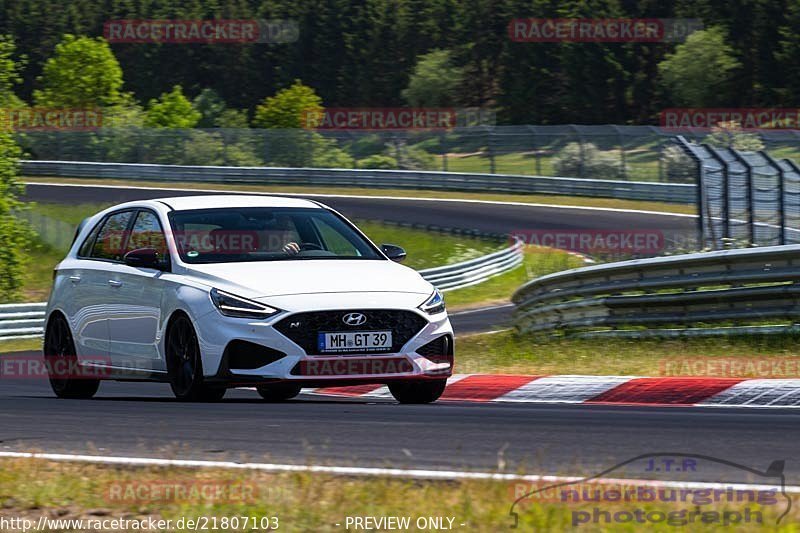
(184, 203)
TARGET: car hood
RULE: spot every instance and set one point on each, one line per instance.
(319, 276)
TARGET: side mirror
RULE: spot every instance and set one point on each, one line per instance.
(143, 258)
(395, 253)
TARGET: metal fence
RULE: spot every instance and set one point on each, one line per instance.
(627, 153)
(746, 198)
(22, 321)
(474, 271)
(382, 179)
(747, 288)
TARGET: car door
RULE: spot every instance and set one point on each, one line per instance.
(134, 296)
(85, 293)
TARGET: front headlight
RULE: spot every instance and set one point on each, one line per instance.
(236, 306)
(434, 304)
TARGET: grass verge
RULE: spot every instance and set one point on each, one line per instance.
(512, 353)
(313, 502)
(581, 201)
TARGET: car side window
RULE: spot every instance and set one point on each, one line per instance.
(147, 233)
(86, 247)
(111, 239)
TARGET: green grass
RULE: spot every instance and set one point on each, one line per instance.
(513, 353)
(310, 502)
(581, 201)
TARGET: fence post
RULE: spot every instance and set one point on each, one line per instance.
(623, 165)
(751, 223)
(726, 217)
(781, 192)
(699, 189)
(491, 151)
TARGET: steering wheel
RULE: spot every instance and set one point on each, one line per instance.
(305, 246)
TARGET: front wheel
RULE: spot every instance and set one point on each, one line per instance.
(418, 391)
(278, 392)
(185, 366)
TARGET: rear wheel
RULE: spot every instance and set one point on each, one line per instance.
(62, 362)
(279, 392)
(185, 366)
(418, 391)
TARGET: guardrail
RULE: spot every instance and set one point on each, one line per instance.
(22, 321)
(744, 286)
(26, 321)
(386, 179)
(474, 271)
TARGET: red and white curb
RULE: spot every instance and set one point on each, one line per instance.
(603, 390)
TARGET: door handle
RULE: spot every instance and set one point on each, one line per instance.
(75, 279)
(115, 283)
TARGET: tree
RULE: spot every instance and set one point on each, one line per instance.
(210, 106)
(9, 72)
(171, 110)
(435, 81)
(699, 72)
(14, 233)
(289, 108)
(82, 73)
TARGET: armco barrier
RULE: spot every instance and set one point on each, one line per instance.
(21, 321)
(385, 179)
(24, 321)
(746, 287)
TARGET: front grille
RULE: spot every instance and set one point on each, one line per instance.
(302, 328)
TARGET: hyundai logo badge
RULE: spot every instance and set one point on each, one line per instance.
(354, 319)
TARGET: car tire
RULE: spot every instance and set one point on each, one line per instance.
(418, 391)
(279, 392)
(185, 365)
(59, 350)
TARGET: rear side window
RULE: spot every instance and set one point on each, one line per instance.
(111, 240)
(86, 246)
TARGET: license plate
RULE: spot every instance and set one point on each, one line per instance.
(354, 341)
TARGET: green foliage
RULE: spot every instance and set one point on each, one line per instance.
(584, 160)
(172, 110)
(378, 161)
(14, 233)
(434, 82)
(325, 154)
(10, 69)
(678, 167)
(232, 118)
(700, 70)
(289, 108)
(82, 73)
(731, 135)
(210, 106)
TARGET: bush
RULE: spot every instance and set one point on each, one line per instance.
(731, 135)
(326, 154)
(578, 160)
(14, 233)
(378, 161)
(678, 167)
(411, 157)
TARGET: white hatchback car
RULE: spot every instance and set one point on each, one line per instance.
(213, 292)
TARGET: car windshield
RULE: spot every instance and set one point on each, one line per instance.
(232, 235)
